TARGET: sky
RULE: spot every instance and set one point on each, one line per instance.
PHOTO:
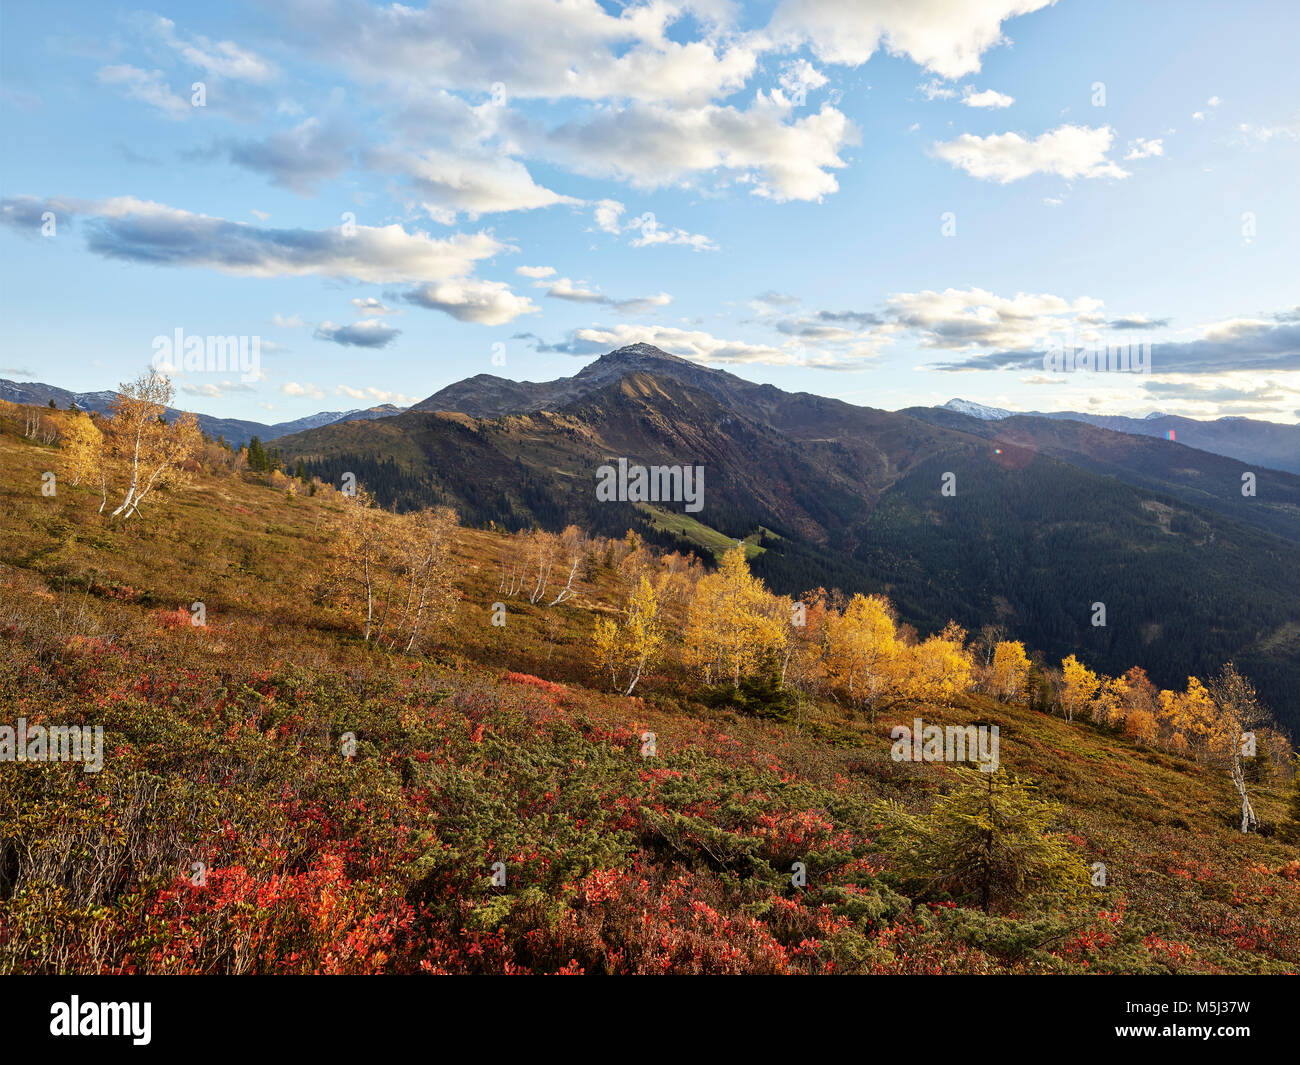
(892, 203)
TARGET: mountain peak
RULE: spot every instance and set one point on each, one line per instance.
(639, 354)
(977, 410)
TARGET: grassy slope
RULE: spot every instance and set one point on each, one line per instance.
(224, 750)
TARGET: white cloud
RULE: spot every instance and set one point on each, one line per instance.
(1263, 134)
(1141, 148)
(651, 146)
(934, 89)
(208, 391)
(987, 98)
(147, 86)
(1068, 151)
(578, 292)
(945, 36)
(293, 388)
(371, 306)
(533, 48)
(655, 234)
(607, 214)
(535, 272)
(797, 77)
(224, 58)
(450, 184)
(961, 318)
(483, 302)
(374, 396)
(695, 345)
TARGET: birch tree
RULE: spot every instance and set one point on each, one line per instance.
(1233, 739)
(150, 451)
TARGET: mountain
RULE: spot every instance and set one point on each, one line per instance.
(233, 430)
(1258, 442)
(976, 410)
(1048, 516)
(1262, 443)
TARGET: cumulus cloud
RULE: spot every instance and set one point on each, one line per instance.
(945, 36)
(986, 98)
(367, 333)
(298, 391)
(1068, 151)
(535, 272)
(483, 302)
(651, 146)
(607, 214)
(961, 318)
(531, 48)
(451, 184)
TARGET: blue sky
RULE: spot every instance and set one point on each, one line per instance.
(890, 203)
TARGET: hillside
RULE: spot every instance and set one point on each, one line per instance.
(503, 744)
(234, 430)
(853, 499)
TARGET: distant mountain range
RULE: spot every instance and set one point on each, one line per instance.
(1264, 443)
(232, 430)
(1051, 513)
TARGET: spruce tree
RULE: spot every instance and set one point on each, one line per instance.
(987, 842)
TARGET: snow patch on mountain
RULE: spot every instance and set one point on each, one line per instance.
(977, 410)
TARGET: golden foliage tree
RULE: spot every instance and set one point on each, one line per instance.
(864, 656)
(149, 452)
(83, 447)
(1078, 685)
(939, 667)
(1010, 670)
(632, 644)
(1190, 713)
(730, 629)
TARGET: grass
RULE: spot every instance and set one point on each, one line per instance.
(224, 749)
(695, 532)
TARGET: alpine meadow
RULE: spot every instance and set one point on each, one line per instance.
(481, 493)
